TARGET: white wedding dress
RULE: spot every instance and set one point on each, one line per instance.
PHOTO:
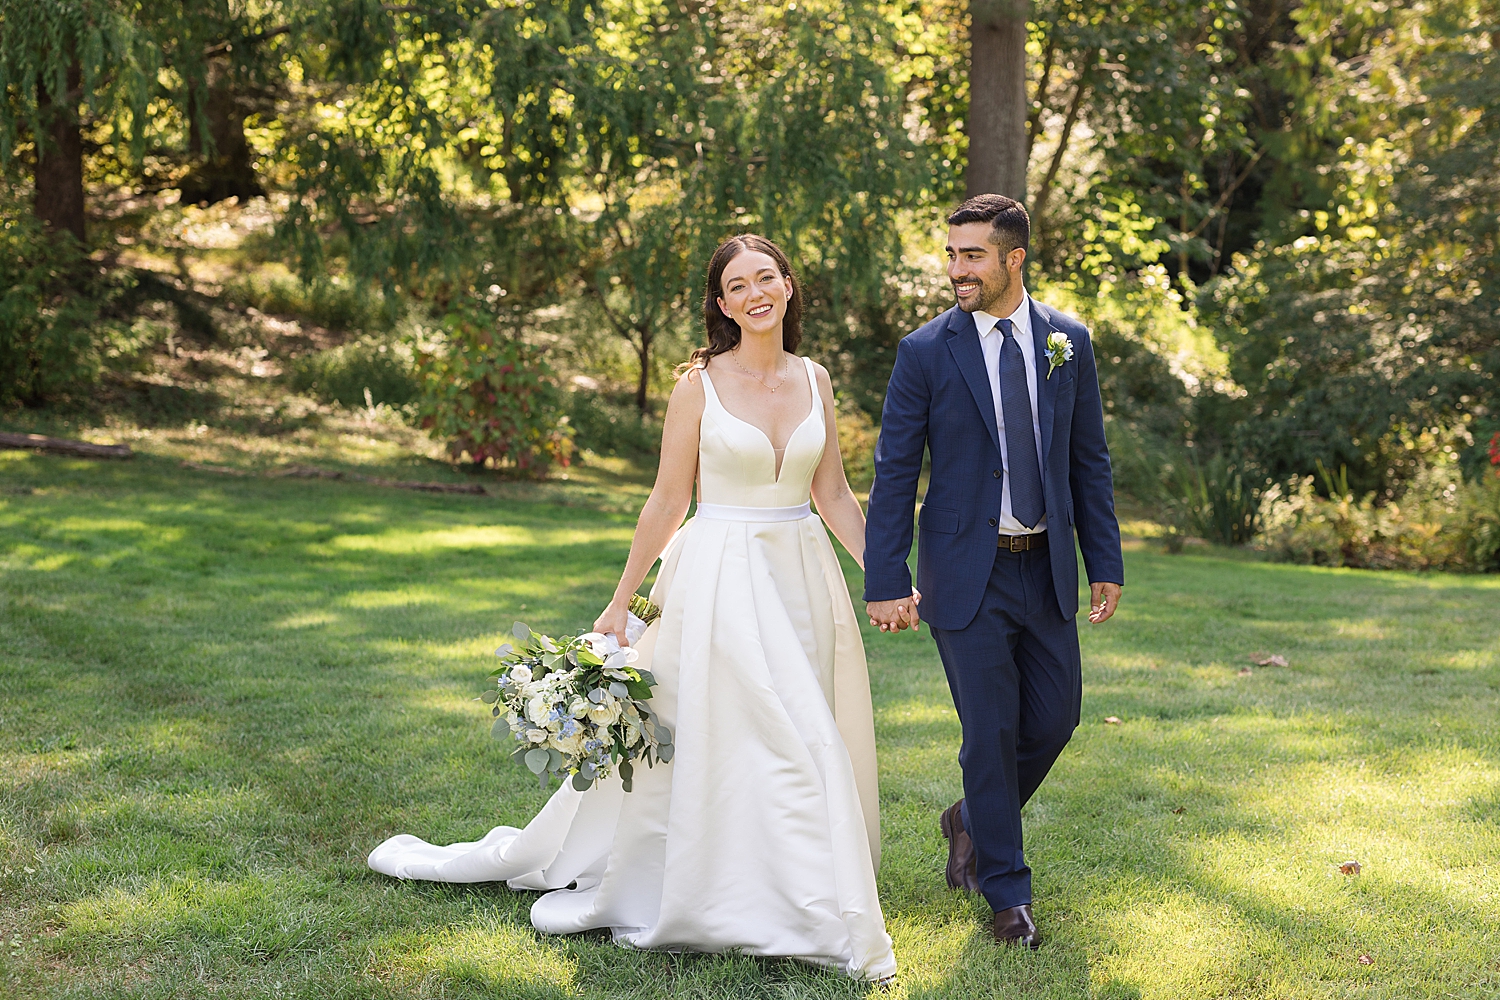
(763, 833)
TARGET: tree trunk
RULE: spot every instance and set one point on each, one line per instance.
(59, 160)
(643, 351)
(225, 170)
(997, 98)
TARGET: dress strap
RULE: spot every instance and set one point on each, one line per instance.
(812, 380)
(708, 387)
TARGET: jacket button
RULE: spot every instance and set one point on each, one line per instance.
(997, 473)
(993, 522)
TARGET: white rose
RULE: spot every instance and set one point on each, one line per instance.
(632, 735)
(538, 708)
(537, 735)
(520, 675)
(579, 707)
(605, 714)
(569, 745)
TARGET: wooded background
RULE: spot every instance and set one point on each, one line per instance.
(1280, 219)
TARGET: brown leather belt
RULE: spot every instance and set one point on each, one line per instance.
(1023, 543)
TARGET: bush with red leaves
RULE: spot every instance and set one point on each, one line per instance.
(493, 398)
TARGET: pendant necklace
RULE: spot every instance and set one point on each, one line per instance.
(757, 378)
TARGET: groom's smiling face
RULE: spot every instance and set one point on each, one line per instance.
(977, 267)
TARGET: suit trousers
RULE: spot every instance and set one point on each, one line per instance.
(1017, 683)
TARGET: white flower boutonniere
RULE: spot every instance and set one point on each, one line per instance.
(1059, 349)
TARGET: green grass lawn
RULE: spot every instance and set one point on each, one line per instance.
(216, 695)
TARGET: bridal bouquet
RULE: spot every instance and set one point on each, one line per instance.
(576, 705)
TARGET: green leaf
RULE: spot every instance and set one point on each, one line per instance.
(619, 690)
(627, 770)
(582, 783)
(646, 676)
(505, 650)
(664, 753)
(554, 760)
(636, 690)
(521, 632)
(490, 697)
(538, 760)
(500, 730)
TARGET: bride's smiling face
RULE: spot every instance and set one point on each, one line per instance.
(754, 293)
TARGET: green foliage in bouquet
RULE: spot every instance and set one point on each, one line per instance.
(493, 398)
(576, 707)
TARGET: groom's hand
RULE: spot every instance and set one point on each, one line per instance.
(1103, 599)
(893, 616)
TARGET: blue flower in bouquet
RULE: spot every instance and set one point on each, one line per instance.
(577, 706)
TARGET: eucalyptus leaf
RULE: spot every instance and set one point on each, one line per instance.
(619, 690)
(646, 676)
(500, 730)
(664, 753)
(538, 760)
(490, 697)
(555, 760)
(582, 784)
(505, 650)
(522, 633)
(598, 695)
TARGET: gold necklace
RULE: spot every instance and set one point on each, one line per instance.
(757, 377)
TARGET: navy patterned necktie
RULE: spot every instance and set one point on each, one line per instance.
(1026, 501)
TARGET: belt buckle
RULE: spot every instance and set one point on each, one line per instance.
(1019, 543)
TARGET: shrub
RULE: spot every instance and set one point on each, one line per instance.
(1214, 501)
(1441, 522)
(607, 425)
(493, 398)
(48, 307)
(366, 371)
(857, 434)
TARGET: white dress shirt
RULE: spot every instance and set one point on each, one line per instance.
(990, 339)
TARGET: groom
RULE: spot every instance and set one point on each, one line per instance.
(1002, 392)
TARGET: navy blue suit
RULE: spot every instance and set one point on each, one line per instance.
(1005, 623)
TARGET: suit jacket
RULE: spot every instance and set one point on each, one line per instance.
(939, 400)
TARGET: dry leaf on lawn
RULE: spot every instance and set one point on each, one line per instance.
(1268, 659)
(1112, 720)
(1366, 960)
(1179, 810)
(1349, 867)
(1246, 671)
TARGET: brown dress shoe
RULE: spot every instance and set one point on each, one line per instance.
(1015, 926)
(963, 865)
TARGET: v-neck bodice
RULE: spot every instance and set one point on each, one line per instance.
(737, 463)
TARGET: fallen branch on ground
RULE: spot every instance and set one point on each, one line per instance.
(64, 446)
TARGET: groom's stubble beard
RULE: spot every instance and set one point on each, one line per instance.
(991, 290)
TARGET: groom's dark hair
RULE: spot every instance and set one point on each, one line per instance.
(1010, 226)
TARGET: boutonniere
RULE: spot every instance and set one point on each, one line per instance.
(1059, 349)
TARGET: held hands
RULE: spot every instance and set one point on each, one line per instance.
(893, 616)
(1104, 598)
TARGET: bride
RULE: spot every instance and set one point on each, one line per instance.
(763, 833)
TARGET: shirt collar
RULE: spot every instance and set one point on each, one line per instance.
(1020, 320)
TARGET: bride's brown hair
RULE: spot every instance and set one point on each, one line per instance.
(723, 332)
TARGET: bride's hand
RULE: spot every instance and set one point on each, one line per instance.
(613, 621)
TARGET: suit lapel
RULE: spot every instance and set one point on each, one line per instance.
(963, 341)
(1046, 389)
